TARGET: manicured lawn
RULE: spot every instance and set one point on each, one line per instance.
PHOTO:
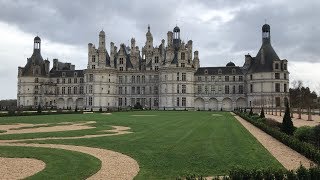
(60, 164)
(168, 144)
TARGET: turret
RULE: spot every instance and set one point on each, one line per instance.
(170, 38)
(196, 61)
(102, 40)
(266, 33)
(37, 44)
(112, 54)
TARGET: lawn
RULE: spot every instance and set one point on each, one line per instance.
(168, 144)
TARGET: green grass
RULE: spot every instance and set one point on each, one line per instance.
(169, 144)
(60, 164)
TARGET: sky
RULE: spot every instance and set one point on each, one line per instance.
(221, 30)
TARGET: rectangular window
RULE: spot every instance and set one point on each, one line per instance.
(285, 88)
(234, 78)
(277, 101)
(138, 79)
(212, 89)
(184, 77)
(199, 89)
(121, 69)
(155, 90)
(156, 59)
(133, 90)
(143, 78)
(277, 75)
(183, 65)
(81, 80)
(120, 101)
(90, 77)
(184, 101)
(220, 89)
(63, 90)
(206, 89)
(156, 102)
(226, 89)
(184, 88)
(277, 87)
(93, 66)
(75, 80)
(143, 90)
(69, 80)
(199, 78)
(233, 89)
(284, 76)
(183, 56)
(90, 101)
(240, 78)
(212, 78)
(58, 81)
(276, 66)
(178, 89)
(63, 81)
(226, 78)
(121, 61)
(138, 90)
(93, 58)
(120, 79)
(75, 90)
(285, 66)
(178, 76)
(178, 101)
(90, 89)
(81, 90)
(133, 79)
(240, 89)
(120, 90)
(251, 88)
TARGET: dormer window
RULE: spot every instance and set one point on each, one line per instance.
(93, 58)
(276, 66)
(75, 74)
(183, 56)
(233, 71)
(156, 59)
(121, 61)
(63, 74)
(206, 71)
(284, 66)
(219, 71)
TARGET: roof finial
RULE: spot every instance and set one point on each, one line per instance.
(148, 27)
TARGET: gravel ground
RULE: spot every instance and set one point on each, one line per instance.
(288, 157)
(19, 168)
(298, 122)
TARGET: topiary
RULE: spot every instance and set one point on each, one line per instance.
(39, 110)
(262, 113)
(287, 125)
(100, 109)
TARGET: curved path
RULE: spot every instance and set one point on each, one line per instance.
(288, 157)
(114, 165)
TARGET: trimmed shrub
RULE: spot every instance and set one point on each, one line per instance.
(76, 109)
(39, 110)
(100, 109)
(304, 133)
(262, 113)
(137, 106)
(287, 124)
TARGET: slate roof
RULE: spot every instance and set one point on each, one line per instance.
(35, 60)
(68, 73)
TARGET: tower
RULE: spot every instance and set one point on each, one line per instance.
(102, 40)
(266, 33)
(36, 44)
(176, 37)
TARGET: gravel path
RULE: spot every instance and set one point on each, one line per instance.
(114, 165)
(289, 158)
(297, 122)
(19, 168)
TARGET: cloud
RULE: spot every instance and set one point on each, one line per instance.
(221, 30)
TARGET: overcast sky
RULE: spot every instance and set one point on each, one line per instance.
(221, 31)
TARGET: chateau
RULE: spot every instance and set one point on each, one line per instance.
(164, 77)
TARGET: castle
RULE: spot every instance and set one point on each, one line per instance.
(167, 76)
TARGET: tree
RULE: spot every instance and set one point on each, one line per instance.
(287, 125)
(251, 112)
(137, 106)
(39, 110)
(76, 109)
(100, 110)
(262, 113)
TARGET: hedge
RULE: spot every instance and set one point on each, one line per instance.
(306, 149)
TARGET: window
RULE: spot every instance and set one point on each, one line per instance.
(284, 66)
(251, 88)
(81, 80)
(178, 89)
(138, 79)
(205, 78)
(133, 79)
(125, 90)
(184, 77)
(93, 58)
(90, 101)
(93, 66)
(240, 89)
(226, 89)
(178, 76)
(156, 68)
(69, 90)
(133, 90)
(90, 77)
(75, 90)
(156, 102)
(155, 89)
(220, 89)
(183, 56)
(75, 80)
(178, 101)
(63, 74)
(233, 71)
(226, 78)
(121, 61)
(57, 90)
(58, 81)
(212, 78)
(219, 71)
(184, 89)
(277, 87)
(284, 76)
(120, 79)
(219, 78)
(233, 89)
(206, 71)
(90, 89)
(156, 78)
(199, 89)
(285, 88)
(184, 101)
(276, 66)
(138, 90)
(36, 80)
(277, 75)
(81, 90)
(206, 89)
(251, 77)
(120, 90)
(240, 78)
(277, 101)
(213, 89)
(69, 80)
(156, 59)
(63, 90)
(75, 74)
(143, 78)
(143, 90)
(121, 68)
(199, 78)
(183, 65)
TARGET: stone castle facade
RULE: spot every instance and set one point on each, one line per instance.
(167, 76)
